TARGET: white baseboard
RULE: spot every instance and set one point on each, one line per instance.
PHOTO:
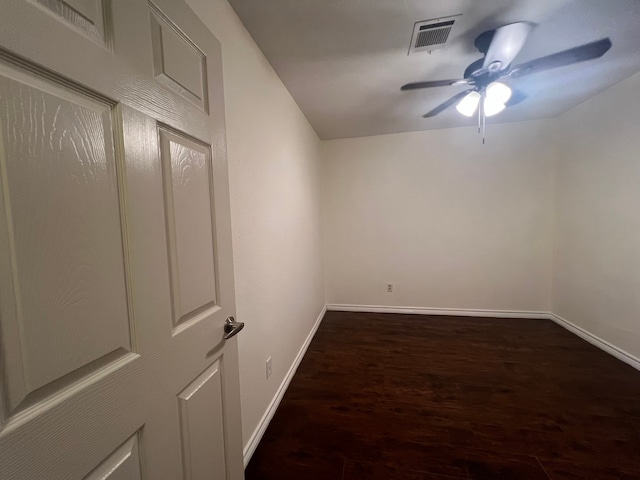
(611, 349)
(253, 442)
(463, 312)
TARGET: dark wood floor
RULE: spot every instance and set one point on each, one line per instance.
(383, 396)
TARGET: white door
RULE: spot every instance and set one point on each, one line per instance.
(116, 275)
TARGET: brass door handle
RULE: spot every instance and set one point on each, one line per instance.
(231, 327)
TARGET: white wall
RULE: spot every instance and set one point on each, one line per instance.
(450, 222)
(276, 212)
(597, 241)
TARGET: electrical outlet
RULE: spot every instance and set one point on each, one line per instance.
(269, 369)
(389, 287)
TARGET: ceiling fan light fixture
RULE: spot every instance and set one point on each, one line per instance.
(498, 92)
(492, 107)
(469, 104)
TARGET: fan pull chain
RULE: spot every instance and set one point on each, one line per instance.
(484, 117)
(484, 125)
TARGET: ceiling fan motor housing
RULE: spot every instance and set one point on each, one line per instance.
(495, 66)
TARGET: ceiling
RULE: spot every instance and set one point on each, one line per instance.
(344, 61)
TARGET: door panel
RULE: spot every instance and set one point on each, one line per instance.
(88, 16)
(116, 271)
(62, 226)
(178, 61)
(202, 426)
(123, 464)
(186, 167)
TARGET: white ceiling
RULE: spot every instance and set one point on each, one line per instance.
(344, 61)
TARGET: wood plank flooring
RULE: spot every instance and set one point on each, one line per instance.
(385, 396)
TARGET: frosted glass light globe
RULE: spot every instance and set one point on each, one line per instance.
(498, 92)
(492, 107)
(468, 105)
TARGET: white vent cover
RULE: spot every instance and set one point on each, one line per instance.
(431, 34)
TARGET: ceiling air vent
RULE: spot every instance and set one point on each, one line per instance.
(431, 34)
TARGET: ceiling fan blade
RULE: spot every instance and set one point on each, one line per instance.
(506, 43)
(435, 83)
(588, 51)
(443, 106)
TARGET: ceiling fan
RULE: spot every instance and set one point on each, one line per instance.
(490, 77)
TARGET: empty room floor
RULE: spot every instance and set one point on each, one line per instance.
(386, 396)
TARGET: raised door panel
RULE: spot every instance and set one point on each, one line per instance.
(186, 167)
(202, 426)
(178, 62)
(63, 290)
(122, 464)
(88, 16)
